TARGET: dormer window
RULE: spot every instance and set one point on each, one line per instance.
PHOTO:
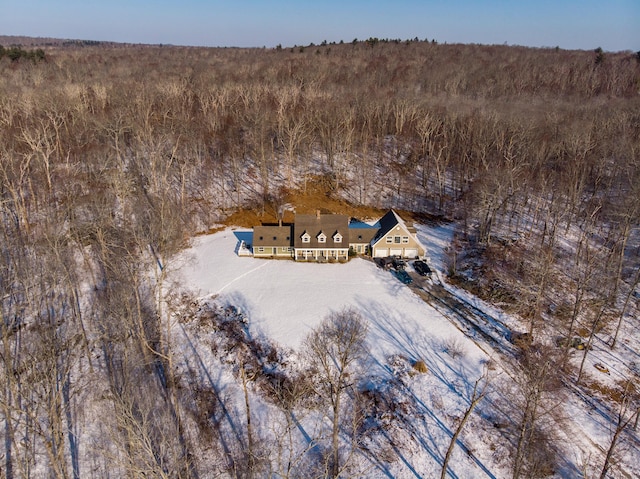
(337, 238)
(306, 238)
(322, 238)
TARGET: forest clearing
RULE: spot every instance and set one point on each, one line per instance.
(125, 166)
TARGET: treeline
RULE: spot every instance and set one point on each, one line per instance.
(16, 53)
(113, 158)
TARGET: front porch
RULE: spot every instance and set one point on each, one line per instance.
(321, 254)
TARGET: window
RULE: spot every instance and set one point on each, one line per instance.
(260, 249)
(389, 239)
(322, 238)
(261, 238)
(337, 238)
(359, 237)
(396, 239)
(306, 238)
(274, 238)
(286, 249)
(405, 239)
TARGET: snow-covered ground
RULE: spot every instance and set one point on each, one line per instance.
(284, 300)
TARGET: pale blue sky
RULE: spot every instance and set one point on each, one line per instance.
(572, 24)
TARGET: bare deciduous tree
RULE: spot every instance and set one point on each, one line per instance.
(334, 350)
(536, 381)
(476, 396)
(628, 412)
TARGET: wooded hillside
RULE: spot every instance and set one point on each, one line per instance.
(112, 157)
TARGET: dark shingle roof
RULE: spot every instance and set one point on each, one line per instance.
(316, 224)
(387, 223)
(362, 235)
(272, 235)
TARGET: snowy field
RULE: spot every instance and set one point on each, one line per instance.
(284, 300)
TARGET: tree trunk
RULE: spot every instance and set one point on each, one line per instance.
(247, 405)
(475, 399)
(335, 435)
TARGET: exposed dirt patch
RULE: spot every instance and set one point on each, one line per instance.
(318, 195)
(616, 393)
(246, 218)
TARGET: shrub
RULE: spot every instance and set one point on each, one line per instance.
(453, 347)
(420, 366)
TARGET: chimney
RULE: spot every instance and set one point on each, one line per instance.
(318, 214)
(280, 222)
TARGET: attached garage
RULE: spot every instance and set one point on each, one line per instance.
(396, 238)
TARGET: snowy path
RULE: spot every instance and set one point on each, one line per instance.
(492, 337)
(468, 318)
(284, 300)
(251, 271)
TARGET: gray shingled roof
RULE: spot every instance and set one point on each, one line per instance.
(272, 235)
(316, 224)
(362, 235)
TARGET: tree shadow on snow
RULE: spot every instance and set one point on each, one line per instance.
(393, 334)
(217, 387)
(250, 322)
(390, 330)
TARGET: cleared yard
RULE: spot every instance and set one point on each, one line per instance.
(285, 299)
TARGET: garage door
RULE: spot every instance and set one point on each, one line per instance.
(395, 252)
(410, 253)
(381, 252)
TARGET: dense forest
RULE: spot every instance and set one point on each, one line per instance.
(113, 157)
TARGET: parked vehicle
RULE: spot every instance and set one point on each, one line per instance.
(399, 264)
(384, 263)
(421, 268)
(403, 276)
